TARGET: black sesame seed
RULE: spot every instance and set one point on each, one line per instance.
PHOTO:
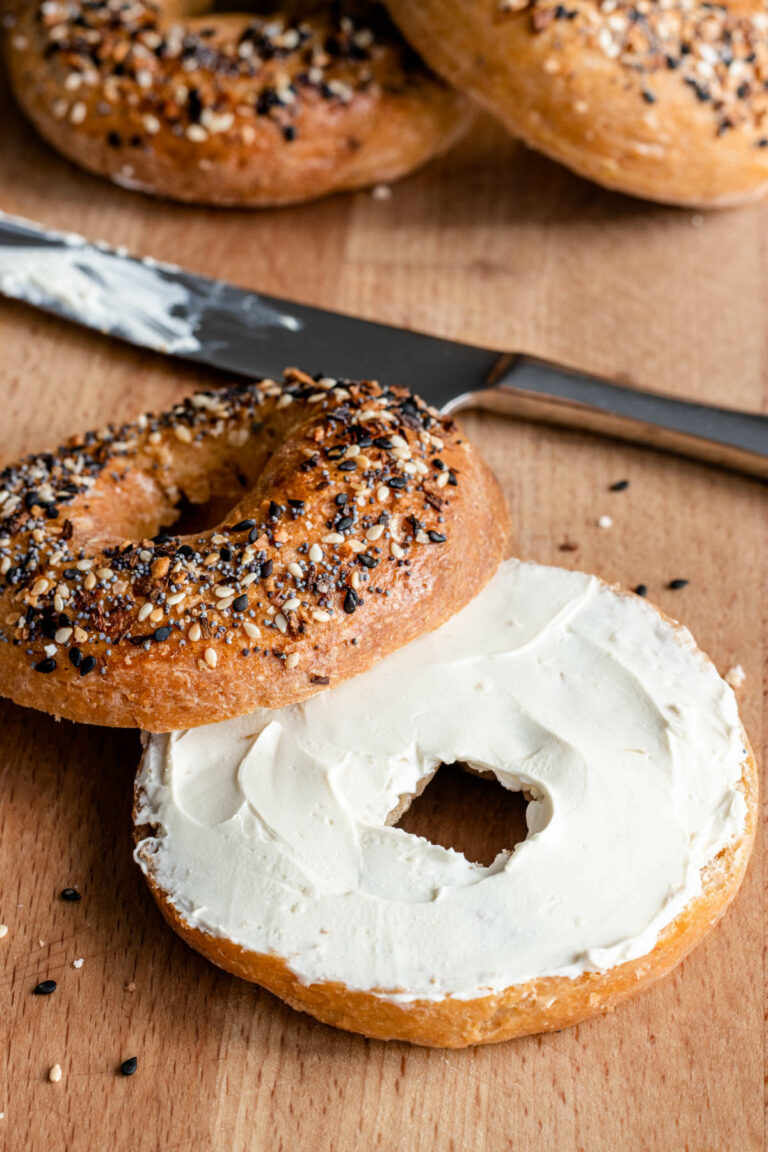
(47, 665)
(348, 466)
(344, 522)
(366, 560)
(641, 590)
(254, 534)
(71, 895)
(244, 525)
(297, 504)
(240, 603)
(397, 482)
(275, 511)
(71, 573)
(341, 499)
(45, 987)
(350, 601)
(186, 552)
(162, 633)
(676, 584)
(75, 657)
(266, 569)
(619, 486)
(436, 537)
(129, 1066)
(382, 442)
(88, 664)
(225, 554)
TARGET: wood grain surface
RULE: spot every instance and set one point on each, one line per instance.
(494, 245)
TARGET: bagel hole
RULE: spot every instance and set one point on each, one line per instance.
(192, 519)
(469, 812)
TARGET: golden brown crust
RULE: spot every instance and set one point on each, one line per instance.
(229, 109)
(353, 507)
(662, 101)
(544, 1005)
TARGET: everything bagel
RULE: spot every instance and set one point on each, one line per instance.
(346, 511)
(269, 844)
(183, 101)
(665, 100)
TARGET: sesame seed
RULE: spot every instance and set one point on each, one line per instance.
(71, 895)
(677, 584)
(251, 630)
(194, 632)
(619, 486)
(211, 657)
(641, 589)
(315, 553)
(45, 988)
(129, 1066)
(55, 1073)
(351, 601)
(374, 532)
(321, 616)
(291, 659)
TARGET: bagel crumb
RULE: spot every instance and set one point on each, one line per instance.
(735, 676)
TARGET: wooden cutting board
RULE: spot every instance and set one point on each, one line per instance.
(495, 245)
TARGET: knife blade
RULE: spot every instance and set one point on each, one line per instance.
(167, 309)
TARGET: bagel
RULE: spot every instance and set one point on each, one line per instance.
(267, 840)
(665, 100)
(353, 505)
(182, 100)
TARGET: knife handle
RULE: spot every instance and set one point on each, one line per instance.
(535, 390)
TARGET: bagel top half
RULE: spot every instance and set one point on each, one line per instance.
(664, 99)
(185, 100)
(352, 517)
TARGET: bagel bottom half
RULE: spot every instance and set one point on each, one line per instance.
(268, 841)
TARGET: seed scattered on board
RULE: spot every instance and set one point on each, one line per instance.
(45, 987)
(55, 1073)
(70, 895)
(129, 1066)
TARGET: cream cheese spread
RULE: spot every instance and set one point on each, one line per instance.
(271, 829)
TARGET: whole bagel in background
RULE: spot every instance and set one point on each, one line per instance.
(182, 100)
(664, 100)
